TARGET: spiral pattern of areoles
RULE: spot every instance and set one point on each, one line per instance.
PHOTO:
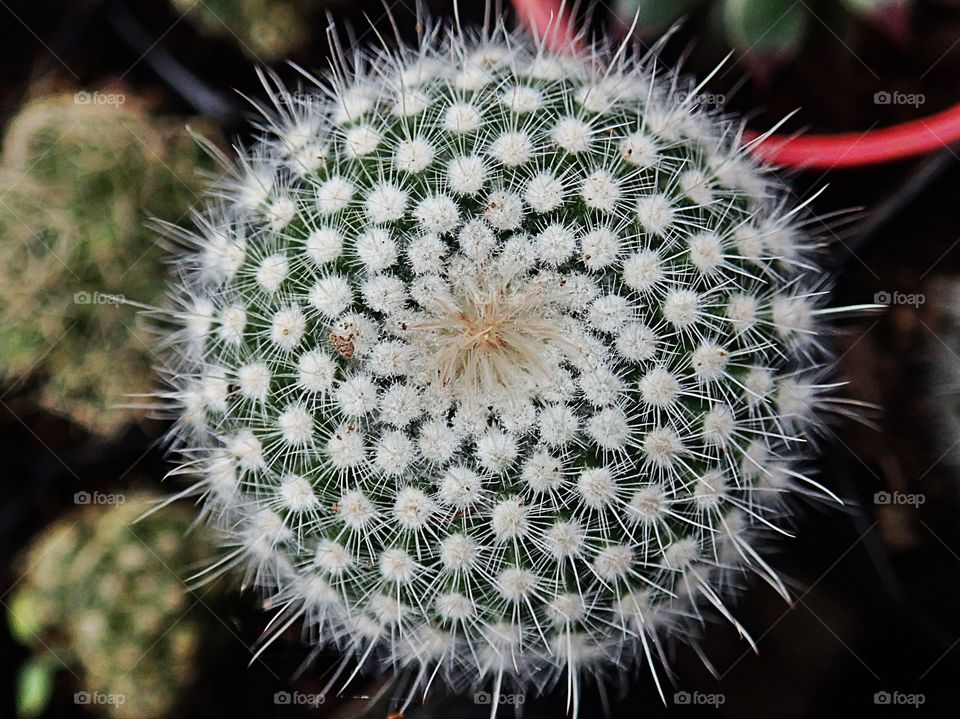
(497, 364)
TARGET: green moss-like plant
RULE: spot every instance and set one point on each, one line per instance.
(80, 175)
(105, 598)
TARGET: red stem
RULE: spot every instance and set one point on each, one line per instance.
(551, 20)
(858, 149)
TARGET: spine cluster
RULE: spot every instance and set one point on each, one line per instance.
(497, 364)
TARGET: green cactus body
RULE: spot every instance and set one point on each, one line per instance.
(498, 363)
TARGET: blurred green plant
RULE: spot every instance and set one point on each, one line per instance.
(758, 28)
(267, 30)
(105, 598)
(79, 176)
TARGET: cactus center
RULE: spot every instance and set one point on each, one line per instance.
(491, 337)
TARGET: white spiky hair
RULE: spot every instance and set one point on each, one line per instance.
(497, 365)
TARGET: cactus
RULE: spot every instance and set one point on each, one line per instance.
(105, 598)
(78, 179)
(764, 28)
(498, 364)
(266, 30)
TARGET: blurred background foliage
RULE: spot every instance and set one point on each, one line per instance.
(80, 174)
(764, 30)
(267, 30)
(104, 597)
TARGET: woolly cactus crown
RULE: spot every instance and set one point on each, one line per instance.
(495, 362)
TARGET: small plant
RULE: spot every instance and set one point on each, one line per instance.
(79, 179)
(104, 598)
(266, 30)
(764, 28)
(499, 365)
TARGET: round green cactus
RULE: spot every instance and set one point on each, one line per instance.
(498, 364)
(79, 179)
(105, 598)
